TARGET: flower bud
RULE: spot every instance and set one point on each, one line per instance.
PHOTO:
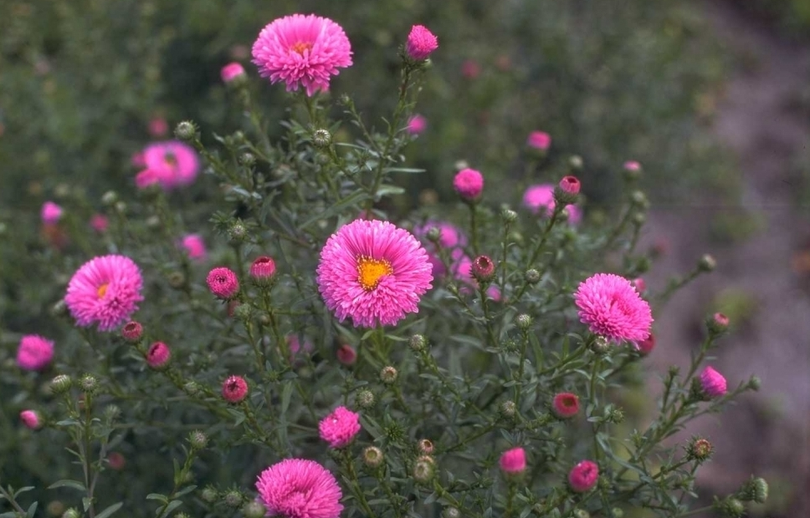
(109, 198)
(639, 219)
(373, 457)
(717, 323)
(59, 309)
(632, 170)
(713, 383)
(421, 43)
(233, 498)
(158, 356)
(509, 216)
(61, 384)
(186, 131)
(434, 234)
(365, 399)
(567, 190)
(600, 345)
(576, 163)
(483, 269)
(31, 419)
(616, 512)
(754, 383)
(699, 450)
(132, 332)
(234, 389)
(209, 494)
(524, 321)
(513, 461)
(729, 507)
(581, 513)
(247, 159)
(263, 270)
(237, 232)
(88, 383)
(71, 513)
(532, 276)
(424, 469)
(418, 343)
(321, 138)
(198, 440)
(760, 490)
(111, 412)
(254, 510)
(425, 446)
(707, 263)
(232, 74)
(388, 375)
(243, 312)
(645, 347)
(121, 207)
(451, 512)
(191, 388)
(508, 409)
(639, 199)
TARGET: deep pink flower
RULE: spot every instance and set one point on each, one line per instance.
(482, 268)
(417, 124)
(513, 461)
(346, 354)
(132, 332)
(194, 246)
(565, 405)
(263, 268)
(713, 383)
(302, 50)
(51, 213)
(99, 223)
(232, 71)
(570, 185)
(298, 488)
(539, 199)
(632, 166)
(645, 347)
(421, 43)
(223, 283)
(583, 476)
(158, 355)
(639, 284)
(172, 164)
(340, 427)
(137, 159)
(31, 419)
(720, 321)
(105, 291)
(469, 184)
(158, 127)
(34, 352)
(234, 389)
(539, 140)
(373, 272)
(611, 307)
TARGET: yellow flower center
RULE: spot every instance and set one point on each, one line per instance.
(102, 290)
(301, 46)
(370, 271)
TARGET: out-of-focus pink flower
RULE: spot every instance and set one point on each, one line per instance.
(99, 223)
(470, 69)
(31, 419)
(539, 140)
(713, 383)
(195, 247)
(232, 71)
(417, 124)
(539, 199)
(51, 213)
(34, 352)
(158, 127)
(421, 43)
(171, 163)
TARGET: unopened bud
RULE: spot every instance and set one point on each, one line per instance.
(434, 234)
(198, 440)
(567, 190)
(243, 312)
(508, 216)
(699, 450)
(365, 399)
(109, 198)
(191, 388)
(616, 513)
(418, 343)
(707, 263)
(532, 276)
(639, 199)
(121, 207)
(639, 219)
(388, 375)
(233, 498)
(575, 163)
(729, 507)
(237, 232)
(581, 513)
(254, 510)
(600, 345)
(71, 513)
(322, 138)
(88, 383)
(717, 323)
(132, 332)
(111, 412)
(61, 384)
(451, 512)
(186, 131)
(632, 170)
(524, 322)
(209, 494)
(373, 456)
(754, 383)
(176, 280)
(483, 269)
(247, 159)
(424, 469)
(425, 446)
(508, 409)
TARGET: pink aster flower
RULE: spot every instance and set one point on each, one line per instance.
(421, 43)
(99, 223)
(223, 283)
(172, 164)
(234, 389)
(194, 247)
(373, 272)
(34, 353)
(158, 127)
(51, 213)
(295, 345)
(469, 184)
(346, 354)
(31, 419)
(263, 269)
(450, 238)
(513, 462)
(612, 307)
(298, 488)
(632, 166)
(583, 476)
(302, 50)
(539, 199)
(340, 427)
(232, 71)
(539, 140)
(158, 355)
(417, 124)
(713, 383)
(146, 178)
(565, 405)
(105, 291)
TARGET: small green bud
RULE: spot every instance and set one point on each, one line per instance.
(59, 309)
(451, 512)
(699, 450)
(639, 199)
(209, 494)
(186, 131)
(321, 138)
(176, 280)
(616, 513)
(237, 232)
(563, 215)
(109, 198)
(233, 498)
(111, 412)
(760, 490)
(182, 515)
(388, 375)
(509, 216)
(707, 263)
(614, 415)
(434, 234)
(120, 207)
(418, 343)
(243, 312)
(508, 409)
(575, 163)
(365, 399)
(524, 322)
(71, 513)
(532, 276)
(198, 440)
(373, 457)
(61, 384)
(424, 469)
(729, 507)
(88, 383)
(754, 383)
(254, 510)
(581, 513)
(191, 388)
(247, 159)
(600, 345)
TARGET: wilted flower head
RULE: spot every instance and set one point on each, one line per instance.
(340, 427)
(104, 291)
(713, 383)
(34, 352)
(513, 462)
(302, 50)
(612, 308)
(421, 43)
(171, 164)
(373, 272)
(194, 246)
(583, 476)
(298, 488)
(51, 213)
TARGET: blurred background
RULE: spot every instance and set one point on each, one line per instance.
(712, 97)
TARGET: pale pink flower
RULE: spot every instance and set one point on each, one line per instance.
(340, 427)
(31, 419)
(612, 308)
(421, 43)
(302, 50)
(105, 291)
(417, 124)
(373, 272)
(539, 140)
(583, 476)
(469, 184)
(232, 71)
(713, 383)
(173, 164)
(51, 213)
(539, 199)
(223, 283)
(99, 223)
(194, 247)
(513, 462)
(34, 352)
(565, 405)
(298, 488)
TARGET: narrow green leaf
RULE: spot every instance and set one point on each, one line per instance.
(75, 484)
(110, 510)
(31, 510)
(157, 496)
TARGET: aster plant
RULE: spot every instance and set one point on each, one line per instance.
(328, 352)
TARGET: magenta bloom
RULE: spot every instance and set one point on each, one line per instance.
(105, 291)
(539, 199)
(158, 355)
(373, 272)
(223, 283)
(611, 307)
(194, 246)
(298, 488)
(346, 354)
(570, 184)
(171, 163)
(583, 476)
(51, 213)
(713, 383)
(565, 405)
(263, 268)
(539, 140)
(417, 124)
(232, 71)
(421, 43)
(234, 389)
(339, 427)
(31, 419)
(632, 166)
(513, 461)
(34, 353)
(469, 183)
(302, 50)
(99, 223)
